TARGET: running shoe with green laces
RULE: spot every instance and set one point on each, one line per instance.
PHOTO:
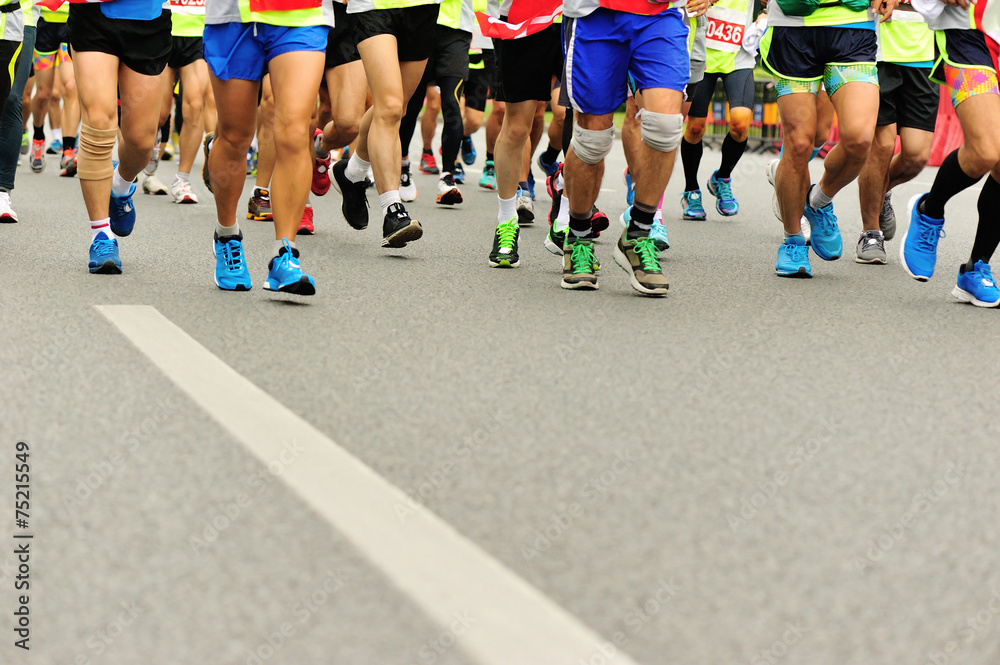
(488, 180)
(25, 142)
(504, 254)
(640, 258)
(578, 263)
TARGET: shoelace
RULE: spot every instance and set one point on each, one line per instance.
(694, 200)
(798, 253)
(724, 189)
(506, 233)
(985, 272)
(581, 258)
(928, 238)
(648, 254)
(104, 246)
(232, 253)
(822, 222)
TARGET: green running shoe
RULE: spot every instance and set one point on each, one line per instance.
(504, 254)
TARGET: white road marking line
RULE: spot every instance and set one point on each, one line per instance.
(439, 569)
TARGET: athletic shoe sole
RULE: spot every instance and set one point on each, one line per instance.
(505, 263)
(878, 261)
(303, 287)
(404, 235)
(552, 247)
(449, 198)
(902, 241)
(106, 268)
(801, 272)
(525, 217)
(965, 296)
(8, 219)
(261, 218)
(624, 264)
(580, 286)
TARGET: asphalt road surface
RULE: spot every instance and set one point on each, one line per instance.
(750, 470)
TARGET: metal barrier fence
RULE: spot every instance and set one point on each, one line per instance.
(765, 128)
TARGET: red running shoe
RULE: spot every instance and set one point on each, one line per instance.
(306, 227)
(598, 221)
(321, 170)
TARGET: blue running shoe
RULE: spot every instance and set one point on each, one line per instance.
(458, 173)
(549, 168)
(284, 273)
(231, 273)
(468, 151)
(722, 189)
(977, 286)
(531, 185)
(918, 251)
(104, 257)
(629, 187)
(122, 213)
(658, 234)
(824, 234)
(55, 148)
(691, 205)
(793, 258)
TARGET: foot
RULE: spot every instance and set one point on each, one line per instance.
(468, 151)
(206, 148)
(629, 187)
(824, 232)
(554, 240)
(448, 193)
(458, 173)
(122, 213)
(504, 254)
(259, 206)
(67, 164)
(37, 158)
(7, 214)
(578, 263)
(54, 148)
(181, 192)
(531, 185)
(793, 258)
(152, 185)
(398, 229)
(918, 250)
(104, 257)
(639, 256)
(284, 273)
(231, 273)
(977, 286)
(722, 190)
(25, 143)
(887, 217)
(525, 210)
(658, 234)
(598, 221)
(871, 248)
(252, 156)
(321, 169)
(554, 188)
(407, 188)
(548, 167)
(691, 205)
(306, 226)
(428, 165)
(488, 180)
(355, 204)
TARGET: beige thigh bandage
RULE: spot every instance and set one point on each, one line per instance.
(93, 160)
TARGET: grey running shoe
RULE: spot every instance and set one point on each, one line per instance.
(887, 218)
(871, 248)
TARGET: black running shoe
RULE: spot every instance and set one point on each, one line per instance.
(398, 229)
(504, 254)
(355, 205)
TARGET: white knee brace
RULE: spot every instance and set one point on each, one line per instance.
(661, 131)
(592, 145)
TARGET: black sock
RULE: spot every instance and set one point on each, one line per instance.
(691, 159)
(950, 180)
(988, 231)
(551, 154)
(165, 131)
(39, 134)
(489, 157)
(641, 220)
(580, 226)
(428, 151)
(69, 142)
(732, 150)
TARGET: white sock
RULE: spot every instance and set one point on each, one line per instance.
(278, 244)
(406, 162)
(387, 199)
(183, 177)
(100, 226)
(357, 168)
(817, 199)
(562, 219)
(57, 135)
(120, 186)
(508, 209)
(223, 231)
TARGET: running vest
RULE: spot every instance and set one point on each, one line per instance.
(187, 17)
(28, 12)
(60, 15)
(284, 13)
(13, 29)
(358, 6)
(905, 39)
(727, 23)
(456, 14)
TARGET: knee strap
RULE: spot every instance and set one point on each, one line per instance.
(592, 145)
(661, 131)
(93, 160)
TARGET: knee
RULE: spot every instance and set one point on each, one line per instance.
(798, 146)
(290, 134)
(982, 157)
(857, 145)
(739, 127)
(101, 119)
(69, 89)
(140, 140)
(912, 163)
(192, 108)
(348, 124)
(695, 130)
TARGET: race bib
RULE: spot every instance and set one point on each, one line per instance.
(725, 29)
(195, 7)
(283, 5)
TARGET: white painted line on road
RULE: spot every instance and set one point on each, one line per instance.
(439, 569)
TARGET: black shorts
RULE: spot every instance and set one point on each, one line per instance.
(804, 52)
(482, 71)
(142, 46)
(959, 48)
(340, 45)
(450, 56)
(410, 25)
(738, 85)
(48, 36)
(907, 97)
(184, 51)
(527, 65)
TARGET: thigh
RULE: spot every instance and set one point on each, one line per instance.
(194, 80)
(382, 67)
(239, 99)
(97, 87)
(659, 57)
(348, 88)
(702, 98)
(918, 99)
(292, 73)
(856, 104)
(739, 88)
(136, 90)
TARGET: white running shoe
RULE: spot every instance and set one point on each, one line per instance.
(152, 185)
(772, 170)
(407, 188)
(181, 191)
(7, 214)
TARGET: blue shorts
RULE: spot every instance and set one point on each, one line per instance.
(242, 50)
(603, 48)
